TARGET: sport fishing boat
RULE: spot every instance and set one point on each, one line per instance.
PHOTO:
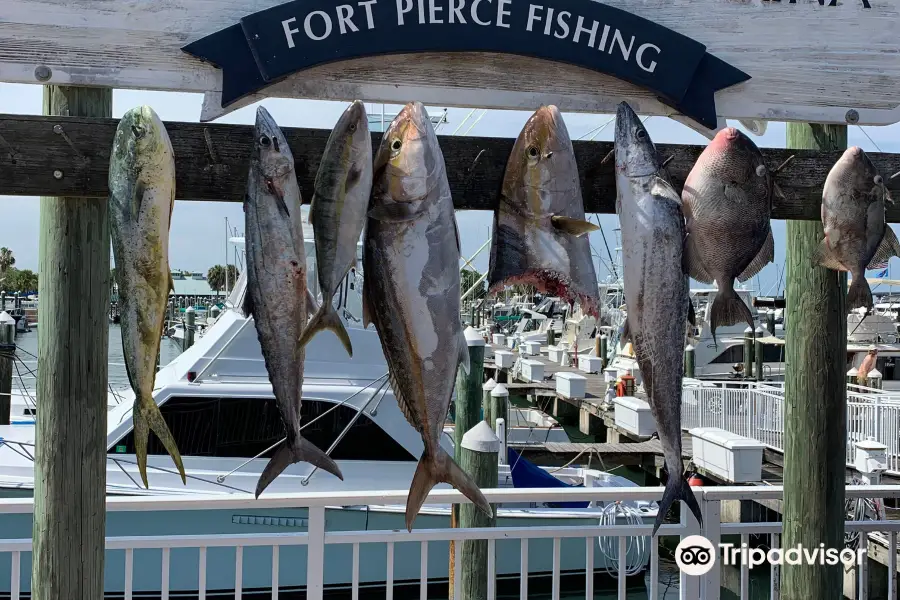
(218, 402)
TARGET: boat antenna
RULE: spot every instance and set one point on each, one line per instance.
(608, 253)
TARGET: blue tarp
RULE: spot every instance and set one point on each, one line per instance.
(526, 474)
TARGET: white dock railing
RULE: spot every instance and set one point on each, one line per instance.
(756, 410)
(317, 538)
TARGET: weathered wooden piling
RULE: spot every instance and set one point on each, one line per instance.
(689, 361)
(486, 405)
(748, 352)
(499, 406)
(190, 317)
(467, 409)
(7, 356)
(758, 356)
(815, 395)
(73, 339)
(478, 458)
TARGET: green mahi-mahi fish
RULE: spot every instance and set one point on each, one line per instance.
(338, 213)
(142, 195)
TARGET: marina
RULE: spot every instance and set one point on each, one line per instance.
(364, 411)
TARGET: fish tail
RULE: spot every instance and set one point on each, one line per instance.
(147, 418)
(440, 468)
(293, 451)
(326, 318)
(728, 309)
(677, 488)
(860, 294)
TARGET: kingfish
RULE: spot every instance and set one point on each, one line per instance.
(539, 225)
(727, 201)
(856, 235)
(656, 289)
(338, 213)
(142, 195)
(412, 289)
(276, 294)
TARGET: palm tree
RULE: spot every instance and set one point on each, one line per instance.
(6, 259)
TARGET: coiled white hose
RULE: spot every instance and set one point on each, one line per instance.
(636, 547)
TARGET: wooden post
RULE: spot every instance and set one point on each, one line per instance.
(478, 458)
(689, 361)
(758, 354)
(604, 351)
(486, 405)
(190, 316)
(467, 409)
(73, 351)
(551, 337)
(500, 407)
(815, 427)
(7, 356)
(748, 353)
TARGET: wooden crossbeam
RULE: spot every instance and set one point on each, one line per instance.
(66, 156)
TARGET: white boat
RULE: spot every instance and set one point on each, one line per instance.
(218, 402)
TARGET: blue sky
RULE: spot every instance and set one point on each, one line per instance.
(198, 228)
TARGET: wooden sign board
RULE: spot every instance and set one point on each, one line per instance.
(831, 61)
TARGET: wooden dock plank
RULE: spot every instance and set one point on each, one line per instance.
(213, 161)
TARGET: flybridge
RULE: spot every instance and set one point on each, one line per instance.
(269, 45)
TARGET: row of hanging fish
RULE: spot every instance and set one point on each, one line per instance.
(400, 201)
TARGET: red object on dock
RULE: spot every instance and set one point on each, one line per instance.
(695, 481)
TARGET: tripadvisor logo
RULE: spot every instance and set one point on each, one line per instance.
(696, 555)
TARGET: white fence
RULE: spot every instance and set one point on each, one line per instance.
(318, 538)
(756, 410)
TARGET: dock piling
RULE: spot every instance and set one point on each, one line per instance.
(815, 398)
(486, 403)
(73, 354)
(478, 457)
(689, 361)
(748, 353)
(190, 316)
(500, 406)
(758, 354)
(7, 356)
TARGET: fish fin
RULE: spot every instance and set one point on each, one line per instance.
(171, 282)
(765, 256)
(576, 227)
(311, 304)
(456, 232)
(441, 468)
(138, 199)
(464, 354)
(888, 247)
(396, 211)
(300, 450)
(859, 295)
(248, 304)
(778, 192)
(677, 488)
(327, 318)
(366, 311)
(691, 262)
(692, 316)
(728, 309)
(824, 256)
(147, 418)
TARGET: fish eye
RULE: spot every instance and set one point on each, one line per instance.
(532, 152)
(878, 180)
(264, 141)
(395, 145)
(352, 127)
(138, 131)
(760, 170)
(641, 134)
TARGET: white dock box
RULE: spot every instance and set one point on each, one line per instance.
(571, 385)
(634, 416)
(504, 359)
(589, 364)
(554, 353)
(533, 370)
(733, 457)
(531, 348)
(499, 339)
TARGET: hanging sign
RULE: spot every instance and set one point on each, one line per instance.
(269, 45)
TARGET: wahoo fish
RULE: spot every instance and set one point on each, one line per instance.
(411, 292)
(539, 225)
(142, 195)
(856, 235)
(656, 289)
(276, 294)
(338, 213)
(727, 201)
